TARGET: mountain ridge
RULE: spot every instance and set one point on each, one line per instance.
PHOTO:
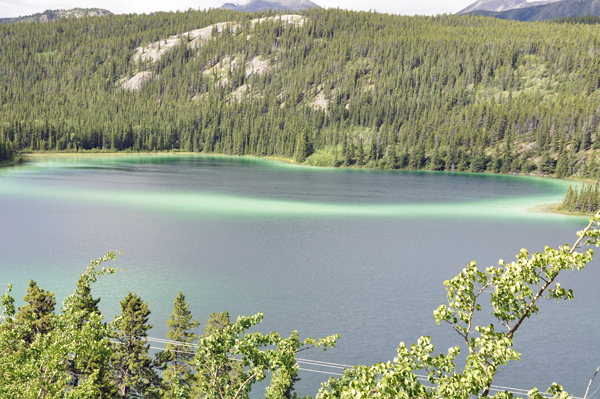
(262, 5)
(51, 15)
(561, 9)
(503, 5)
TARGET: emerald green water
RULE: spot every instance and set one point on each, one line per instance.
(356, 252)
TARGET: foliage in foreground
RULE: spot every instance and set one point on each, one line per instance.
(75, 355)
(515, 289)
(69, 355)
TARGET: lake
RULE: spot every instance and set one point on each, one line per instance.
(362, 253)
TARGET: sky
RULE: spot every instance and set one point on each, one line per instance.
(15, 8)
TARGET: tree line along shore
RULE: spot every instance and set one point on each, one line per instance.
(585, 200)
(327, 87)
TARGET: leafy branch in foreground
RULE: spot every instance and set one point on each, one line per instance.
(35, 364)
(514, 290)
(217, 350)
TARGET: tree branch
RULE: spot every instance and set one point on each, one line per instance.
(545, 286)
(540, 294)
(244, 384)
(590, 384)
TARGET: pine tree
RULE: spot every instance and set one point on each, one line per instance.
(546, 164)
(346, 155)
(179, 356)
(217, 322)
(37, 315)
(478, 162)
(568, 199)
(360, 153)
(562, 165)
(133, 370)
(304, 147)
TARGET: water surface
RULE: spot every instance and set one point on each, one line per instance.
(357, 252)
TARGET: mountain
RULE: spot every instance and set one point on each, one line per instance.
(561, 9)
(50, 15)
(503, 5)
(261, 5)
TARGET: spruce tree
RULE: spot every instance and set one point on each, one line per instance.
(546, 164)
(478, 162)
(179, 356)
(562, 165)
(360, 153)
(568, 199)
(133, 370)
(37, 315)
(345, 152)
(304, 148)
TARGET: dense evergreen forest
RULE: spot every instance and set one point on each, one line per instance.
(586, 200)
(335, 87)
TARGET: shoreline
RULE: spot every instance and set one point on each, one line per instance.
(553, 208)
(37, 154)
(18, 161)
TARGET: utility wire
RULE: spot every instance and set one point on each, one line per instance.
(319, 363)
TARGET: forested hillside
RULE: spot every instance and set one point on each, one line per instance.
(331, 87)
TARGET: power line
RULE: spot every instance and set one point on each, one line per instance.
(319, 363)
(322, 372)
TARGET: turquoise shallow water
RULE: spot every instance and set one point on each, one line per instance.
(322, 251)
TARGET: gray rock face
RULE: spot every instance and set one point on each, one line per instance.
(260, 5)
(503, 5)
(561, 9)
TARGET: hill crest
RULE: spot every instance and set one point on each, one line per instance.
(561, 9)
(503, 5)
(261, 5)
(51, 15)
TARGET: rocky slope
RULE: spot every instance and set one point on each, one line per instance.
(503, 5)
(196, 38)
(561, 9)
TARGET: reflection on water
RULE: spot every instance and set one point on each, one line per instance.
(322, 251)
